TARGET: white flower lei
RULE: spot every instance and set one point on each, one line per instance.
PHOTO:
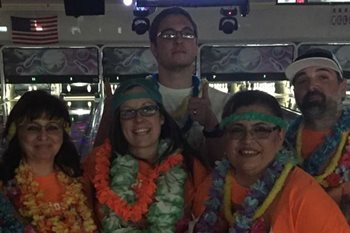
(168, 204)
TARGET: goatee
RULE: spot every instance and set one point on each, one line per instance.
(313, 105)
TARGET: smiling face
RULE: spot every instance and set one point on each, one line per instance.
(41, 139)
(141, 132)
(252, 145)
(176, 52)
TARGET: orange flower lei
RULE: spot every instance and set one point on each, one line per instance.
(74, 215)
(144, 191)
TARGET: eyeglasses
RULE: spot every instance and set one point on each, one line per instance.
(258, 132)
(51, 128)
(170, 34)
(145, 111)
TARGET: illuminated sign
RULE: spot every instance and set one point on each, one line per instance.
(311, 2)
(189, 3)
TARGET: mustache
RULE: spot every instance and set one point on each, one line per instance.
(311, 94)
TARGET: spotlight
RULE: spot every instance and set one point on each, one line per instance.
(127, 2)
(228, 24)
(140, 25)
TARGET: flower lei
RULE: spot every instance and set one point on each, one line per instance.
(260, 196)
(74, 215)
(128, 199)
(338, 169)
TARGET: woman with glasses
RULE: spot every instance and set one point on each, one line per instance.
(143, 175)
(258, 188)
(40, 170)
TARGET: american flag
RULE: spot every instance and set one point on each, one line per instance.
(37, 31)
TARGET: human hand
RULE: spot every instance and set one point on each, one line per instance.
(200, 110)
(338, 192)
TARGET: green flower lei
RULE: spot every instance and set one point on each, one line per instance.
(163, 213)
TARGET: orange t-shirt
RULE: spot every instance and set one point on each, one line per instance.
(51, 187)
(301, 207)
(308, 146)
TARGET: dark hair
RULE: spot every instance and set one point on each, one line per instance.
(162, 15)
(170, 130)
(251, 97)
(33, 105)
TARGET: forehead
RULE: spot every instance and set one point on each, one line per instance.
(137, 103)
(41, 120)
(177, 22)
(254, 108)
(315, 69)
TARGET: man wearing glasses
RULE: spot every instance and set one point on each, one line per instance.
(196, 107)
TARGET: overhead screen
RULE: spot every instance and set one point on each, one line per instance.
(189, 3)
(311, 2)
(50, 65)
(122, 63)
(238, 63)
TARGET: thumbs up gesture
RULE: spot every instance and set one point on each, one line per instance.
(200, 110)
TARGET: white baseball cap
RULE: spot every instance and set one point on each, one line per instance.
(314, 57)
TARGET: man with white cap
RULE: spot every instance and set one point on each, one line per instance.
(321, 135)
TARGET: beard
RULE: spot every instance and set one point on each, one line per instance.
(314, 105)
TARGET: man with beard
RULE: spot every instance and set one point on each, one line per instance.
(320, 135)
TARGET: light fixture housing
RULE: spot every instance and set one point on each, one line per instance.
(228, 25)
(140, 25)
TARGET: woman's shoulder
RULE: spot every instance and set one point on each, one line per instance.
(306, 207)
(300, 183)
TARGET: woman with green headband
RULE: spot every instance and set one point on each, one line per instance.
(144, 175)
(40, 170)
(258, 188)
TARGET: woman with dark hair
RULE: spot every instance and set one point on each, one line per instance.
(258, 188)
(40, 167)
(144, 174)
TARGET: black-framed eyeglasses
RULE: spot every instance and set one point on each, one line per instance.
(145, 111)
(257, 132)
(171, 34)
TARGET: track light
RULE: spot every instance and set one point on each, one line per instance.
(140, 25)
(228, 24)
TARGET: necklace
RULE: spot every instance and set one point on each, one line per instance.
(319, 158)
(261, 194)
(129, 200)
(336, 144)
(183, 106)
(73, 216)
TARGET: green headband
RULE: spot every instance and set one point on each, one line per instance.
(150, 91)
(253, 116)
